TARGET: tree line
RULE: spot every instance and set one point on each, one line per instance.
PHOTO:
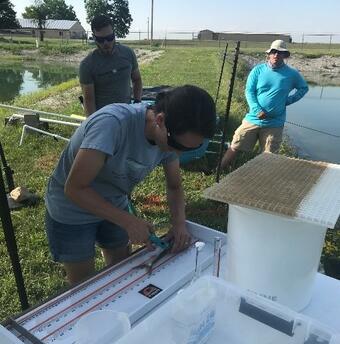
(43, 10)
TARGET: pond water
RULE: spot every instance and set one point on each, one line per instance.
(21, 79)
(313, 124)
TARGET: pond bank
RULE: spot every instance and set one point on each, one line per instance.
(324, 70)
(65, 97)
(143, 56)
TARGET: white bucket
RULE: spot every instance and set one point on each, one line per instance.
(7, 337)
(273, 256)
(101, 327)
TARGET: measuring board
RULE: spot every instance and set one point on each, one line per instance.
(120, 288)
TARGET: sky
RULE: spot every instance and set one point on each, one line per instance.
(295, 17)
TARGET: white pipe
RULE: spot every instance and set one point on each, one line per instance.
(59, 122)
(48, 120)
(37, 111)
(55, 136)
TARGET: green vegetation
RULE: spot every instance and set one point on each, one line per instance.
(309, 50)
(7, 15)
(33, 163)
(117, 10)
(20, 46)
(49, 9)
(52, 46)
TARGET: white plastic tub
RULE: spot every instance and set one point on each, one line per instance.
(273, 256)
(101, 327)
(238, 317)
(7, 337)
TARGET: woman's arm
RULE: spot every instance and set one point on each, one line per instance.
(86, 166)
(176, 204)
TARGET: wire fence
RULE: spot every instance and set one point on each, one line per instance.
(300, 40)
(297, 37)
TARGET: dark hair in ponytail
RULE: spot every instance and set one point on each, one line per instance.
(187, 109)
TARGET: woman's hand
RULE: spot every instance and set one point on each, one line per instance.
(138, 230)
(181, 237)
(85, 168)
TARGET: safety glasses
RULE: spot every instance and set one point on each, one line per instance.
(273, 52)
(108, 38)
(176, 145)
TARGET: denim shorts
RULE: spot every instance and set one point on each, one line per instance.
(76, 243)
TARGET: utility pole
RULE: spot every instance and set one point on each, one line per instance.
(148, 28)
(330, 41)
(151, 39)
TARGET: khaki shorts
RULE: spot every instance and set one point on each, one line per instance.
(247, 134)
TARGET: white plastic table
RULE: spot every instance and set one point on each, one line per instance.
(325, 302)
(324, 306)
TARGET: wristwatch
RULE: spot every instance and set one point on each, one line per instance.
(135, 101)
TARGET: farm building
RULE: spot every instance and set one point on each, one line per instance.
(240, 36)
(205, 35)
(55, 28)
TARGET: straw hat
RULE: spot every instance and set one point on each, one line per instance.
(278, 45)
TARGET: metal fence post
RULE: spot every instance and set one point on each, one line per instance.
(228, 105)
(11, 244)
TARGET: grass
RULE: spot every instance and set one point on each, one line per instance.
(31, 41)
(312, 49)
(17, 45)
(33, 163)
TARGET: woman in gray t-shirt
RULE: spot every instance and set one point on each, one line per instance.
(111, 152)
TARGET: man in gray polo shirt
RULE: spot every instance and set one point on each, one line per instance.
(107, 72)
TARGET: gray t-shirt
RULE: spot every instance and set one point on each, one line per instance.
(110, 74)
(118, 131)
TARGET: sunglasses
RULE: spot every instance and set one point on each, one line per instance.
(108, 38)
(176, 145)
(273, 52)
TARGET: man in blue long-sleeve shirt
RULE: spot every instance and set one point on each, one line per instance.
(268, 92)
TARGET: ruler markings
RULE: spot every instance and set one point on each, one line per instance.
(133, 282)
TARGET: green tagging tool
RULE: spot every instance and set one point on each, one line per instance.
(158, 242)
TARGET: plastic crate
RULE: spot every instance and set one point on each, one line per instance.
(7, 337)
(214, 311)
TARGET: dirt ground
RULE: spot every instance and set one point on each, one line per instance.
(321, 70)
(67, 97)
(324, 64)
(324, 70)
(62, 99)
(143, 56)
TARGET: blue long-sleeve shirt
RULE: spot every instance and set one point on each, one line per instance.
(268, 90)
